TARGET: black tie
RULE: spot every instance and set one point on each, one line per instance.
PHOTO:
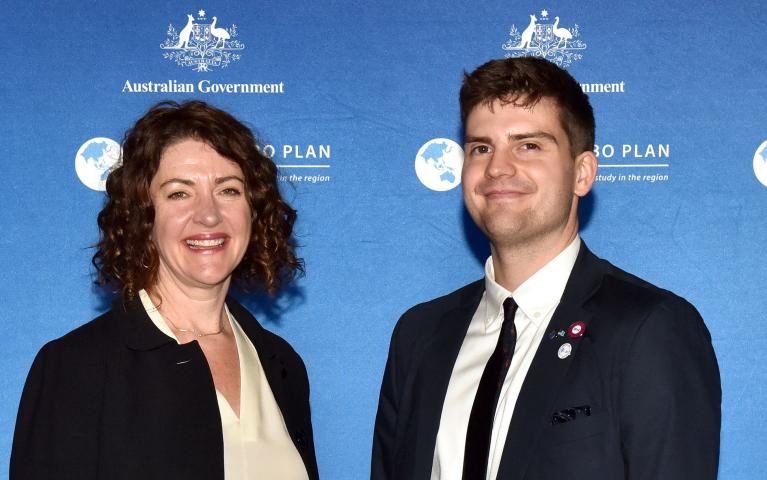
(477, 447)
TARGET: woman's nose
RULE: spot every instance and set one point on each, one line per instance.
(207, 212)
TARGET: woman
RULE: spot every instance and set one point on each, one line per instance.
(177, 380)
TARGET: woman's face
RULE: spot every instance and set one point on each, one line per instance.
(202, 217)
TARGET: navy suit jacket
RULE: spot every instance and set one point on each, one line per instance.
(117, 399)
(645, 368)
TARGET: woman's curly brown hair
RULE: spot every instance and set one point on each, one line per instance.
(125, 255)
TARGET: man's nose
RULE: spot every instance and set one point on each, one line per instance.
(502, 163)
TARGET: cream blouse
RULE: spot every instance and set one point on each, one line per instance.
(257, 444)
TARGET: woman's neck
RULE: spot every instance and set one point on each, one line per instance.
(197, 308)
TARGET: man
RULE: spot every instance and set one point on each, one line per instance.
(557, 365)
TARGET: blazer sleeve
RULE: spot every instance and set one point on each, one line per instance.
(670, 397)
(384, 435)
(304, 439)
(56, 434)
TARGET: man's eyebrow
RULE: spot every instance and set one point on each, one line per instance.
(515, 137)
(472, 139)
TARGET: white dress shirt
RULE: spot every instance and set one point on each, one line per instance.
(257, 443)
(537, 299)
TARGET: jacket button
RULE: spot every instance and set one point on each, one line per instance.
(300, 439)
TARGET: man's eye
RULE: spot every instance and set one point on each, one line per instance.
(481, 149)
(530, 146)
(177, 195)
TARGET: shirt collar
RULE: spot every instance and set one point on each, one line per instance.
(158, 320)
(537, 295)
(154, 314)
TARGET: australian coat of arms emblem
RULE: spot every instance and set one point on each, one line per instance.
(202, 44)
(546, 39)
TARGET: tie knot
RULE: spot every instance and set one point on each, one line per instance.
(509, 308)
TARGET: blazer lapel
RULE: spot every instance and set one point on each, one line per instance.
(434, 376)
(535, 402)
(134, 325)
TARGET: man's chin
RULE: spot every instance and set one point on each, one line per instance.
(506, 234)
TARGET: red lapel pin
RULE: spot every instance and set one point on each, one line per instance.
(576, 330)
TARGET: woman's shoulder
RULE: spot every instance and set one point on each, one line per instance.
(89, 339)
(84, 341)
(65, 369)
(57, 422)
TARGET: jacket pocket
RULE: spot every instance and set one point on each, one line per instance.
(580, 428)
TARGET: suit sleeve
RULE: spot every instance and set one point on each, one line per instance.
(670, 397)
(56, 430)
(384, 435)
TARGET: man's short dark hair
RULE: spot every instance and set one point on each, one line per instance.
(524, 81)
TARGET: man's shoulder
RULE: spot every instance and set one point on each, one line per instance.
(625, 295)
(454, 299)
(428, 315)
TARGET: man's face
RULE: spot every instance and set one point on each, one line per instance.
(520, 182)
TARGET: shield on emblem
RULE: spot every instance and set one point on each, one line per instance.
(201, 33)
(543, 33)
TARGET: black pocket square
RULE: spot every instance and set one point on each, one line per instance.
(569, 414)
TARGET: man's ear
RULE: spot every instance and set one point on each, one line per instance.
(585, 173)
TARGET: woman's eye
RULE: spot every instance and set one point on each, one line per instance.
(231, 191)
(177, 195)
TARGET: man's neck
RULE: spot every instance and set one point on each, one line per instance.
(513, 264)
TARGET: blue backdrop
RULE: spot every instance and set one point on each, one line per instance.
(348, 97)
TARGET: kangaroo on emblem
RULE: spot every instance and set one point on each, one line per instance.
(527, 35)
(186, 32)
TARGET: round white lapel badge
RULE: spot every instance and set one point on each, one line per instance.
(564, 351)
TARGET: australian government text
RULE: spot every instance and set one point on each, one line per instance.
(202, 86)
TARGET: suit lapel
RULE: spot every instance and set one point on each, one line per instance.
(434, 376)
(533, 409)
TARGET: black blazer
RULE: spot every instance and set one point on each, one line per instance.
(638, 398)
(118, 399)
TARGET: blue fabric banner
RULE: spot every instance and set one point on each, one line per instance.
(357, 104)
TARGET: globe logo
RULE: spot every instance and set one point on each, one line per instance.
(438, 164)
(760, 163)
(94, 161)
